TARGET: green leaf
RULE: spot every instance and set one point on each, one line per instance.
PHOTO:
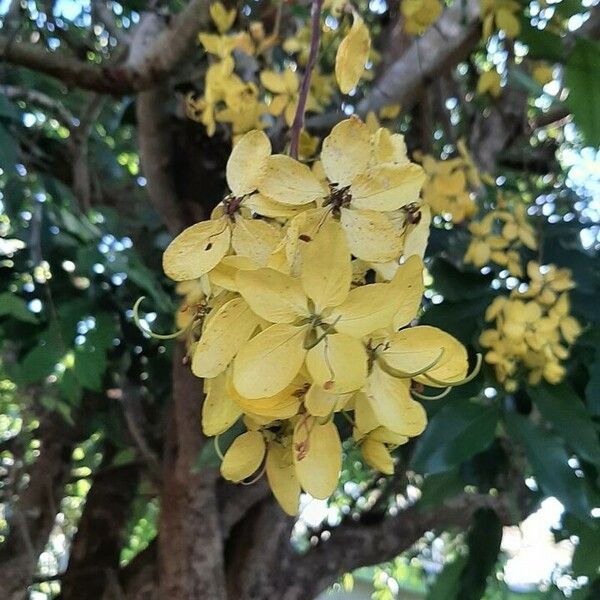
(90, 357)
(455, 433)
(568, 8)
(592, 390)
(8, 149)
(457, 318)
(439, 487)
(586, 558)
(447, 583)
(483, 540)
(457, 285)
(561, 406)
(542, 44)
(549, 461)
(582, 76)
(42, 359)
(13, 306)
(8, 110)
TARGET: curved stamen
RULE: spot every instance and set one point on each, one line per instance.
(148, 331)
(470, 377)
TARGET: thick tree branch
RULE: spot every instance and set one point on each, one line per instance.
(156, 158)
(190, 544)
(96, 548)
(167, 50)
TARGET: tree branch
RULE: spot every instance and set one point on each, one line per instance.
(315, 37)
(354, 545)
(155, 143)
(40, 100)
(445, 44)
(167, 50)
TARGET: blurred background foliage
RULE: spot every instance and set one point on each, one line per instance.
(75, 255)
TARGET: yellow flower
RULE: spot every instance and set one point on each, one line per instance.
(419, 15)
(222, 17)
(543, 73)
(500, 14)
(489, 83)
(367, 178)
(199, 248)
(316, 318)
(284, 86)
(533, 330)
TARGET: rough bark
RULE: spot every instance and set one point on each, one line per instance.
(190, 555)
(95, 552)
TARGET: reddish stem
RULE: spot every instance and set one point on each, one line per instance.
(315, 37)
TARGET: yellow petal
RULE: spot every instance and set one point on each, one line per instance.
(317, 457)
(364, 416)
(320, 403)
(338, 363)
(453, 366)
(222, 17)
(265, 206)
(196, 250)
(282, 405)
(388, 147)
(417, 236)
(247, 163)
(274, 82)
(346, 151)
(408, 283)
(219, 409)
(366, 309)
(352, 55)
(377, 456)
(387, 187)
(276, 297)
(225, 333)
(225, 272)
(269, 361)
(412, 349)
(255, 239)
(281, 475)
(391, 402)
(507, 21)
(244, 456)
(326, 271)
(290, 182)
(371, 235)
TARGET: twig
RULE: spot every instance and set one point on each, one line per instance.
(39, 99)
(315, 37)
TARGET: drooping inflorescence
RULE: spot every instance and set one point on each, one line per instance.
(299, 295)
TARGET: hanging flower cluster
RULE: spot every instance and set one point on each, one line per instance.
(449, 186)
(499, 236)
(533, 329)
(299, 295)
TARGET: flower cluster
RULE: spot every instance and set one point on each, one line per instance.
(449, 185)
(533, 329)
(235, 94)
(499, 236)
(500, 15)
(299, 295)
